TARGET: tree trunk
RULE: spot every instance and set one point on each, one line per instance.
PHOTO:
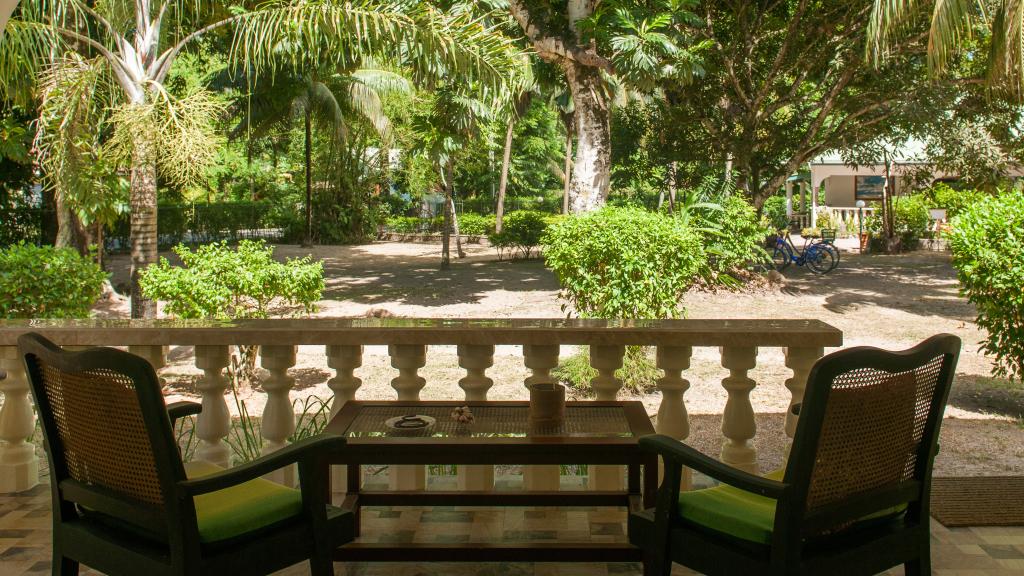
(568, 167)
(454, 218)
(588, 188)
(672, 176)
(446, 223)
(309, 177)
(143, 223)
(506, 159)
(70, 231)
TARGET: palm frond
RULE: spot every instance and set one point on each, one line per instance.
(1006, 59)
(26, 49)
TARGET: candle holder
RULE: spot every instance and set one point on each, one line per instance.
(547, 405)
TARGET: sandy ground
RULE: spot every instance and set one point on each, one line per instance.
(887, 301)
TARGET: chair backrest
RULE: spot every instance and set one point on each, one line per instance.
(108, 436)
(868, 432)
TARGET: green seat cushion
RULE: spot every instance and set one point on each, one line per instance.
(241, 509)
(742, 514)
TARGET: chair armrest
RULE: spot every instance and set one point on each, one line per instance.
(179, 410)
(300, 451)
(682, 455)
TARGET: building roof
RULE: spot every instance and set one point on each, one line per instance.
(911, 151)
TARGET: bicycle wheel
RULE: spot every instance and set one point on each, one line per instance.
(835, 252)
(782, 257)
(820, 260)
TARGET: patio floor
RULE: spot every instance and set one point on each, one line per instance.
(25, 540)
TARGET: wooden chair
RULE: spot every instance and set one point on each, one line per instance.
(123, 502)
(853, 498)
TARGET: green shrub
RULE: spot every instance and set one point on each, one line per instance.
(216, 281)
(47, 282)
(521, 230)
(732, 237)
(774, 213)
(988, 253)
(476, 225)
(404, 224)
(624, 262)
(639, 373)
(953, 201)
(912, 218)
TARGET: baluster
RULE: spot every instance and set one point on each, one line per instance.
(541, 359)
(672, 417)
(408, 359)
(278, 416)
(738, 423)
(799, 360)
(155, 355)
(606, 360)
(476, 359)
(19, 465)
(344, 360)
(214, 423)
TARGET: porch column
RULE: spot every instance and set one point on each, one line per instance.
(803, 197)
(789, 200)
(814, 208)
(19, 465)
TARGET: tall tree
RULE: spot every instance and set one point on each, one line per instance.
(785, 82)
(589, 41)
(139, 41)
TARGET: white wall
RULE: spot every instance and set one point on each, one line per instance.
(6, 7)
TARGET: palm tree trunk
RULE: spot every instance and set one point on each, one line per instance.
(143, 223)
(309, 177)
(70, 231)
(446, 235)
(506, 159)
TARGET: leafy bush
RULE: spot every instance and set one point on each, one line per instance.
(912, 218)
(639, 373)
(989, 257)
(404, 224)
(774, 213)
(624, 262)
(47, 282)
(522, 231)
(732, 236)
(953, 201)
(216, 281)
(476, 225)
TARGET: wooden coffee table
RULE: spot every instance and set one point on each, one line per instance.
(593, 433)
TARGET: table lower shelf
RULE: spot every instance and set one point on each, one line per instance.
(489, 552)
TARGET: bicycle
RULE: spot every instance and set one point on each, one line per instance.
(820, 256)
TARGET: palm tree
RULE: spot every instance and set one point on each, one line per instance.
(331, 102)
(952, 29)
(138, 41)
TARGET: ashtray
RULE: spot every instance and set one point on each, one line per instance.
(411, 424)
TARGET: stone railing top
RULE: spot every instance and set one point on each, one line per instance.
(369, 331)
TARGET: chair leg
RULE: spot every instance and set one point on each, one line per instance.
(920, 567)
(321, 564)
(657, 566)
(64, 566)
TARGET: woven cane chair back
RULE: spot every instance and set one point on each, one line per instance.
(879, 423)
(93, 405)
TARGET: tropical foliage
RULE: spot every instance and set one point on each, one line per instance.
(988, 251)
(47, 282)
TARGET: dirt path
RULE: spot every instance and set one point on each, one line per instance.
(887, 301)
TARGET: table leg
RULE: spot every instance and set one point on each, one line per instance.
(633, 478)
(352, 497)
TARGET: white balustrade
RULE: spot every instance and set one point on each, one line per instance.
(214, 423)
(278, 416)
(673, 419)
(475, 359)
(19, 465)
(155, 355)
(738, 425)
(606, 385)
(344, 360)
(800, 360)
(408, 359)
(541, 359)
(803, 342)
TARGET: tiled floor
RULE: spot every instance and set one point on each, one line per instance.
(25, 540)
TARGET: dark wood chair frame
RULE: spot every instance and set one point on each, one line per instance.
(171, 544)
(797, 546)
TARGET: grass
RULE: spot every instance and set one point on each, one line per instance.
(638, 373)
